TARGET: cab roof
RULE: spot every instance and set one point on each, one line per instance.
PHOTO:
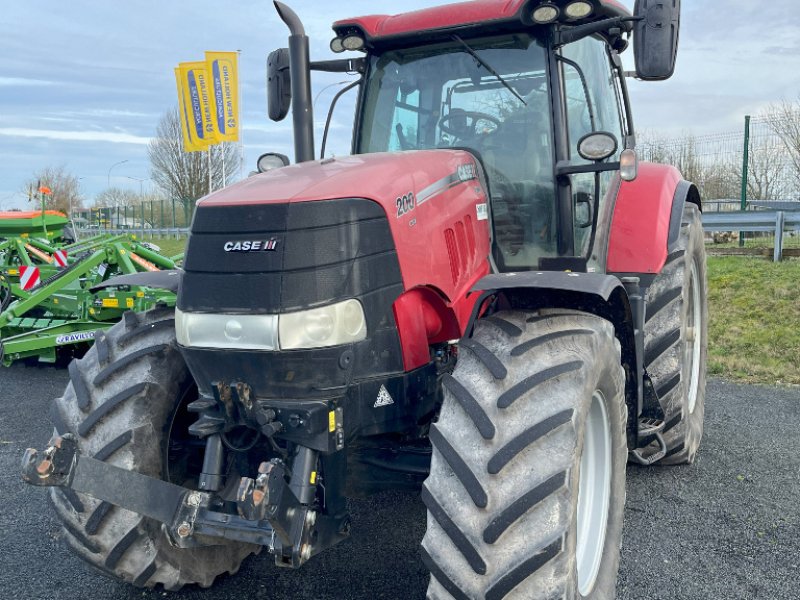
(463, 15)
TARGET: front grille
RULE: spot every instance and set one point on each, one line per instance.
(325, 252)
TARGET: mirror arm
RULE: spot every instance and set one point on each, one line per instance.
(564, 168)
(568, 36)
(347, 65)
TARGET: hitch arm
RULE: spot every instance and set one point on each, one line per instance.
(63, 466)
(269, 514)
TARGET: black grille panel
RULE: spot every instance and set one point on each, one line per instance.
(325, 252)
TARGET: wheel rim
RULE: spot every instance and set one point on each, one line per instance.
(594, 492)
(692, 344)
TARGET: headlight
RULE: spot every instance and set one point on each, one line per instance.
(240, 332)
(341, 323)
(333, 325)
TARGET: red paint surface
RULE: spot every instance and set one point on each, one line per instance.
(640, 227)
(420, 235)
(454, 15)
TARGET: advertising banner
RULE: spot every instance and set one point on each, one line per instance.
(222, 68)
(185, 114)
(199, 101)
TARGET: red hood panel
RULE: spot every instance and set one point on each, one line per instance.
(378, 177)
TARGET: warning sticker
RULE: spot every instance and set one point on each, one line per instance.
(384, 398)
(483, 211)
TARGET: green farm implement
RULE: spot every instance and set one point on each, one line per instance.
(53, 300)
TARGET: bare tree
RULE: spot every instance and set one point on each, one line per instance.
(64, 187)
(710, 169)
(765, 180)
(784, 120)
(115, 197)
(183, 176)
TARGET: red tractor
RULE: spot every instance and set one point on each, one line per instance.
(490, 300)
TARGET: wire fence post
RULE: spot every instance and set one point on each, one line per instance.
(745, 171)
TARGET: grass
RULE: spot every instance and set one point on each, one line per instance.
(754, 328)
(169, 245)
(754, 310)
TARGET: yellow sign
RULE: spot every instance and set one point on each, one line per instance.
(222, 68)
(110, 303)
(198, 102)
(190, 144)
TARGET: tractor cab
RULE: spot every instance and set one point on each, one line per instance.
(535, 90)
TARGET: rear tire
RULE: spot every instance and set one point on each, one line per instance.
(508, 450)
(120, 405)
(676, 340)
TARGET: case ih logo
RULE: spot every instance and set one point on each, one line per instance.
(251, 246)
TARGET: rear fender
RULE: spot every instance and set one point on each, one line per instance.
(647, 219)
(602, 295)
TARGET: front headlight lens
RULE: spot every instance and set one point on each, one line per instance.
(579, 10)
(341, 323)
(240, 332)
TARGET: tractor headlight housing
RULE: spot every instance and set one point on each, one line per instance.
(578, 10)
(334, 325)
(545, 14)
(341, 323)
(235, 332)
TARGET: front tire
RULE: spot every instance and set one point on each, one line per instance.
(121, 406)
(527, 486)
(676, 340)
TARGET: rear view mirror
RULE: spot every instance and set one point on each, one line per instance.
(279, 84)
(655, 38)
(597, 146)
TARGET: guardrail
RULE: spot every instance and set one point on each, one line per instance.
(773, 221)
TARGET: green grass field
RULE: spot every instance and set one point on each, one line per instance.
(754, 330)
(169, 246)
(754, 309)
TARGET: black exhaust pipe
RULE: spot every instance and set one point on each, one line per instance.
(299, 65)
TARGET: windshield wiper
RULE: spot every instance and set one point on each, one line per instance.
(489, 68)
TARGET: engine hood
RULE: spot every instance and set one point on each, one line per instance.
(379, 177)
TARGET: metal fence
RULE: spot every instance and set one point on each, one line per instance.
(151, 217)
(733, 169)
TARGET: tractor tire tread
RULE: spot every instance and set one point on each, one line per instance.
(498, 507)
(132, 399)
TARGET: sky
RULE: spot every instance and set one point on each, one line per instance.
(84, 83)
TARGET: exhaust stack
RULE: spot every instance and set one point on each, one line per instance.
(299, 65)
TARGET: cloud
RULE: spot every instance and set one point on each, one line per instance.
(23, 81)
(78, 136)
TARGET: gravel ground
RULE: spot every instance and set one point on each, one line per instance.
(726, 527)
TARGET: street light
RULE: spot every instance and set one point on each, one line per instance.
(111, 167)
(141, 181)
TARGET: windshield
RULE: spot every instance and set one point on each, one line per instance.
(490, 96)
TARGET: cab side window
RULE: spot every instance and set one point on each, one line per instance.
(592, 104)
